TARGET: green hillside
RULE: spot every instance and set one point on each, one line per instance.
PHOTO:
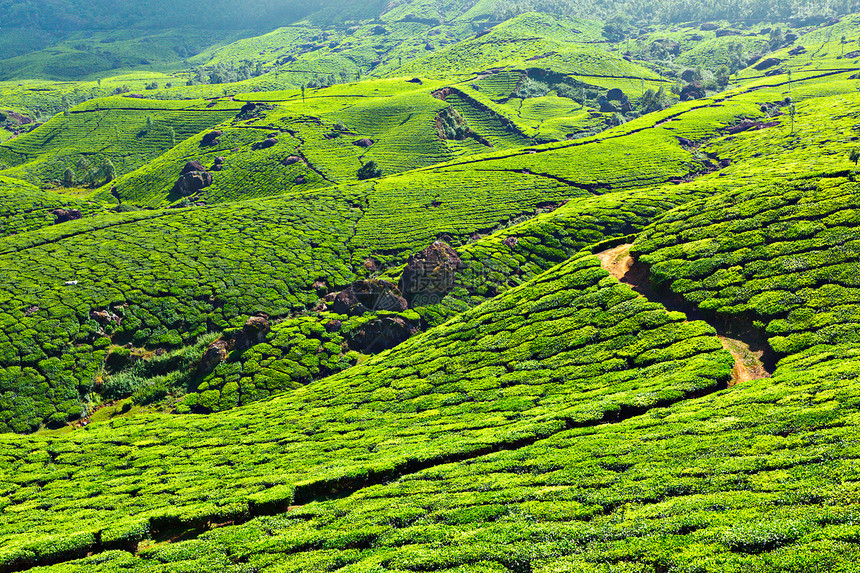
(429, 286)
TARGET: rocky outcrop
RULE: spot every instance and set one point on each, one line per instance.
(211, 138)
(366, 296)
(193, 178)
(266, 143)
(430, 272)
(767, 63)
(215, 354)
(291, 160)
(365, 143)
(105, 317)
(65, 215)
(606, 107)
(15, 117)
(380, 334)
(254, 331)
(749, 124)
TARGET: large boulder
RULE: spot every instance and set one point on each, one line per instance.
(430, 273)
(606, 107)
(266, 143)
(193, 178)
(191, 167)
(380, 334)
(191, 183)
(767, 63)
(366, 296)
(253, 332)
(211, 138)
(363, 143)
(65, 215)
(214, 355)
(105, 317)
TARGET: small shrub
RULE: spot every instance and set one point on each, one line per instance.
(530, 88)
(369, 171)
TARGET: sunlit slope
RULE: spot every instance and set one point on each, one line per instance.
(319, 140)
(388, 218)
(129, 132)
(533, 41)
(572, 347)
(176, 275)
(787, 257)
(300, 350)
(758, 477)
(26, 207)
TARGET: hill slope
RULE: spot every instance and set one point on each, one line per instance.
(567, 327)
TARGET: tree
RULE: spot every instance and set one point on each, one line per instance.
(68, 177)
(776, 38)
(792, 111)
(653, 101)
(108, 170)
(616, 28)
(171, 134)
(723, 74)
(854, 155)
(148, 123)
(89, 173)
(303, 92)
(369, 171)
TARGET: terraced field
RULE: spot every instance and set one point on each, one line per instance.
(126, 131)
(479, 311)
(28, 208)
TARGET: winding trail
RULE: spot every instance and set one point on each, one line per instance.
(749, 352)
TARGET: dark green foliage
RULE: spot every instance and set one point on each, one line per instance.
(295, 352)
(531, 88)
(369, 171)
(652, 101)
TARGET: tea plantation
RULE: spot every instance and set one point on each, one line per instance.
(432, 286)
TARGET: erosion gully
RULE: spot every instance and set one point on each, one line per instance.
(754, 359)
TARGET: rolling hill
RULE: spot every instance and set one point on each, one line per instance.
(440, 286)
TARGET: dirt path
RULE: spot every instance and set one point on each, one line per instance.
(617, 261)
(749, 355)
(748, 363)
